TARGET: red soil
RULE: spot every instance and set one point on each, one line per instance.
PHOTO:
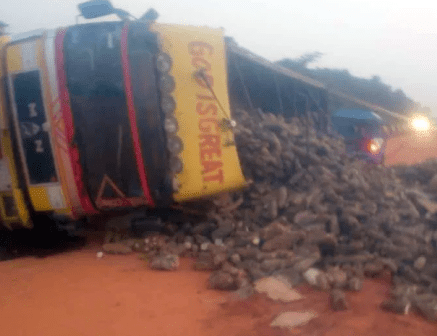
(411, 149)
(75, 293)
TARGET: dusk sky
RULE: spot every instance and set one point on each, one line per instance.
(395, 40)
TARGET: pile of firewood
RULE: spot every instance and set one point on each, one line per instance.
(313, 213)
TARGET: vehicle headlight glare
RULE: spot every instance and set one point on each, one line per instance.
(420, 124)
(375, 145)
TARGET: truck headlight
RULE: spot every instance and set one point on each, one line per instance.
(166, 83)
(176, 165)
(174, 145)
(163, 63)
(375, 145)
(171, 125)
(168, 105)
(420, 124)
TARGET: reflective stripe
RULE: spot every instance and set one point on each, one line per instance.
(132, 116)
(64, 97)
(69, 192)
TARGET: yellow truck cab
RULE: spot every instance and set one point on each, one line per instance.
(105, 116)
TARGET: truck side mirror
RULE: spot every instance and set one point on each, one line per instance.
(150, 15)
(95, 8)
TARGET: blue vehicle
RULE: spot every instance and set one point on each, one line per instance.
(363, 132)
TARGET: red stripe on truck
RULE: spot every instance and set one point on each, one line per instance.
(132, 116)
(73, 152)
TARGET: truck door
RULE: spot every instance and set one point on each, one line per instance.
(31, 125)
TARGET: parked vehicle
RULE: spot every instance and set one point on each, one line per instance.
(363, 132)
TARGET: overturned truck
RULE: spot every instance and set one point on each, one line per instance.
(255, 83)
(258, 84)
(106, 117)
(111, 116)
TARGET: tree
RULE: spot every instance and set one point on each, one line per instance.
(309, 58)
(372, 90)
(302, 62)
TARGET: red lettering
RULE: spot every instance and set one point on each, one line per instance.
(207, 129)
(209, 141)
(209, 144)
(211, 108)
(207, 154)
(200, 96)
(210, 166)
(199, 62)
(217, 177)
(197, 48)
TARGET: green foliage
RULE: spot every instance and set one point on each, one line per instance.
(303, 61)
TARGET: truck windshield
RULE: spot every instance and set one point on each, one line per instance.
(111, 76)
(95, 81)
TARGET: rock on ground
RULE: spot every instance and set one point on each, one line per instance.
(222, 281)
(116, 248)
(355, 284)
(338, 300)
(311, 275)
(168, 262)
(427, 310)
(398, 306)
(291, 320)
(277, 290)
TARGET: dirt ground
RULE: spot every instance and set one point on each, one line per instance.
(411, 149)
(75, 293)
